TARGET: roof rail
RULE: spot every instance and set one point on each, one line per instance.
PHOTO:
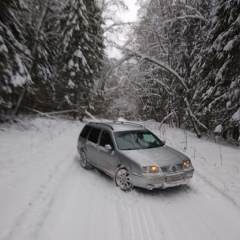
(130, 123)
(100, 123)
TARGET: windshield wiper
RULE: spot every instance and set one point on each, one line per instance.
(131, 148)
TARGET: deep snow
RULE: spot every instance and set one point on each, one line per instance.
(45, 194)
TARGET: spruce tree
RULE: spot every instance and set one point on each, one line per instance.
(81, 55)
(217, 69)
(14, 55)
(95, 53)
(42, 38)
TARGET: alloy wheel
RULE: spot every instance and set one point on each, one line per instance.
(123, 180)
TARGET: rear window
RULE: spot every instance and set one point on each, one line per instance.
(94, 134)
(85, 131)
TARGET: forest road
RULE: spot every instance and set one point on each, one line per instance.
(52, 197)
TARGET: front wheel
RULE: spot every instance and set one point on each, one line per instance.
(83, 160)
(123, 180)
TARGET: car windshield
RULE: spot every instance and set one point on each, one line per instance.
(132, 140)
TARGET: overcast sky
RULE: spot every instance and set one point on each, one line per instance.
(126, 16)
(131, 15)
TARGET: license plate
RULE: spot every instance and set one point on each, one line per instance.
(174, 178)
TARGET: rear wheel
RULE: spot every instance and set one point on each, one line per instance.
(83, 160)
(123, 180)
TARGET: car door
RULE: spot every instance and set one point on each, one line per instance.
(107, 156)
(91, 146)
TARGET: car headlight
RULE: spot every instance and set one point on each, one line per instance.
(151, 169)
(187, 164)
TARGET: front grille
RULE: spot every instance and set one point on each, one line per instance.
(172, 168)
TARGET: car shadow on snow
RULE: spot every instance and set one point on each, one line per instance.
(103, 175)
(94, 170)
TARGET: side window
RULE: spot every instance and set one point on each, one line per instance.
(105, 139)
(85, 131)
(94, 134)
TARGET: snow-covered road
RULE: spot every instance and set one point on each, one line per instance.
(45, 194)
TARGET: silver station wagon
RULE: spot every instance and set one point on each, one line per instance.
(132, 155)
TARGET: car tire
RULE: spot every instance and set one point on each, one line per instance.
(123, 179)
(83, 160)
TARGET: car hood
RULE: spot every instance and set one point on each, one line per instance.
(161, 156)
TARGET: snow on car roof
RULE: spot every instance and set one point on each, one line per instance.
(120, 126)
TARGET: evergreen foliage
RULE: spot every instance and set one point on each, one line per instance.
(82, 54)
(51, 54)
(218, 81)
(14, 55)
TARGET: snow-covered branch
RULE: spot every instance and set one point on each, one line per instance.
(192, 115)
(118, 63)
(195, 10)
(117, 25)
(166, 117)
(159, 63)
(180, 18)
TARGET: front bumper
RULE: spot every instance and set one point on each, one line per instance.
(162, 180)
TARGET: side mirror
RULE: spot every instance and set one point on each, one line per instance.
(164, 142)
(108, 147)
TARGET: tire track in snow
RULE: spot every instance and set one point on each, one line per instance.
(151, 225)
(43, 199)
(89, 211)
(192, 209)
(163, 221)
(139, 218)
(103, 207)
(177, 214)
(123, 216)
(139, 230)
(149, 217)
(227, 197)
(183, 217)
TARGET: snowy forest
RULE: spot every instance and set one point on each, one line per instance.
(180, 64)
